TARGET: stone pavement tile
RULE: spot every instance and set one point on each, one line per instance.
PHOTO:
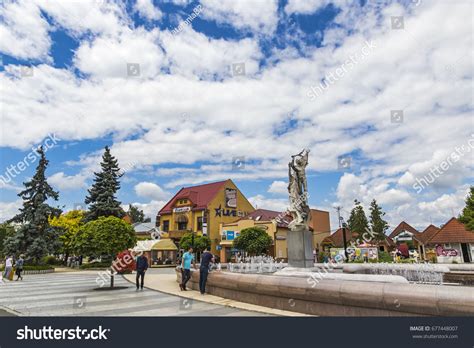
(167, 283)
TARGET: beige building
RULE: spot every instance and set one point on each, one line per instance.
(276, 225)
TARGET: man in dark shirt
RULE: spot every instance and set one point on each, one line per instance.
(141, 267)
(206, 259)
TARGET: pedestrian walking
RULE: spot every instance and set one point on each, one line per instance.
(19, 267)
(186, 261)
(206, 259)
(141, 267)
(8, 268)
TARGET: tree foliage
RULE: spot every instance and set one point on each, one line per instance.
(106, 236)
(6, 230)
(136, 215)
(101, 198)
(378, 225)
(200, 242)
(253, 240)
(357, 221)
(68, 225)
(467, 215)
(35, 238)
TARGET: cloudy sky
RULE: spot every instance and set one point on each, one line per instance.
(191, 92)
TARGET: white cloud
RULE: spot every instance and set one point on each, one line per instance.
(278, 187)
(185, 107)
(23, 32)
(261, 202)
(62, 181)
(258, 16)
(108, 57)
(151, 190)
(150, 209)
(9, 209)
(146, 9)
(190, 53)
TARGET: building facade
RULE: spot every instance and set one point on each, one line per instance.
(201, 210)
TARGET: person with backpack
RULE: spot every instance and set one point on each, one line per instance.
(206, 259)
(141, 267)
(19, 267)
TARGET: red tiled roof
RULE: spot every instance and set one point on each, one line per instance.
(200, 196)
(428, 233)
(338, 242)
(337, 239)
(268, 215)
(453, 232)
(403, 226)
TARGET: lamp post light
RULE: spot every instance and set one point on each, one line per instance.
(344, 226)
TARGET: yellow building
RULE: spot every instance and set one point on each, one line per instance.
(264, 219)
(276, 226)
(201, 209)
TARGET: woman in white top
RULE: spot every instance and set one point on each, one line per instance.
(8, 267)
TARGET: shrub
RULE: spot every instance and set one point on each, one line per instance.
(384, 257)
(95, 265)
(50, 260)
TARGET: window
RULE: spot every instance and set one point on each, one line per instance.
(182, 222)
(166, 225)
(199, 222)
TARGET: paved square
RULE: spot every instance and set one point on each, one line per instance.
(73, 294)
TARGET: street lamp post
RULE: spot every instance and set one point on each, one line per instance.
(344, 225)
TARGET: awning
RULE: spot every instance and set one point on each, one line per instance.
(164, 244)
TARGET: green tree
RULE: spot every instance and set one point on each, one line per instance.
(253, 240)
(357, 221)
(35, 238)
(136, 215)
(101, 198)
(68, 225)
(467, 215)
(104, 237)
(200, 242)
(6, 230)
(378, 225)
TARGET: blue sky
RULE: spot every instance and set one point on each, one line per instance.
(248, 81)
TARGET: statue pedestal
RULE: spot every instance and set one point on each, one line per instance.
(300, 247)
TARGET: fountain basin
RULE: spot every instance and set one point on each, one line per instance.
(317, 274)
(339, 297)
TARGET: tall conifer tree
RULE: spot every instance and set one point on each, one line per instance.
(35, 238)
(377, 223)
(467, 216)
(101, 198)
(357, 221)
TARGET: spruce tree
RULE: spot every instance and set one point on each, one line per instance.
(35, 238)
(357, 221)
(467, 216)
(136, 215)
(377, 223)
(101, 198)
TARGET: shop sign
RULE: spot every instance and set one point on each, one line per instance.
(225, 212)
(440, 251)
(181, 209)
(231, 198)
